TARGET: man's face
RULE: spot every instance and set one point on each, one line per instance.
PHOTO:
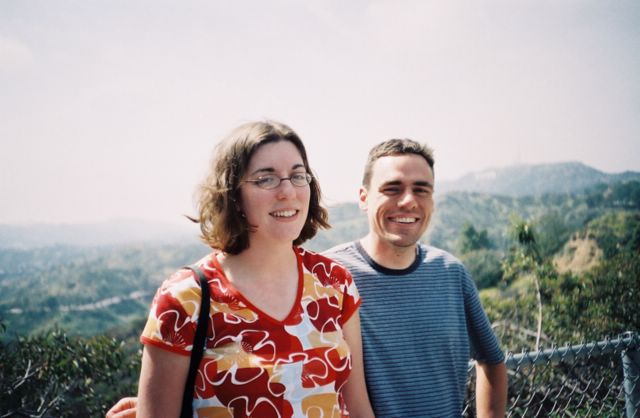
(399, 199)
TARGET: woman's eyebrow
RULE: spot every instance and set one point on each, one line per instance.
(263, 170)
(296, 166)
(272, 170)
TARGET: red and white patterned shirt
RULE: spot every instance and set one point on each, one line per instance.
(254, 365)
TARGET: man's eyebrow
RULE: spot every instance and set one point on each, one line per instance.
(422, 183)
(391, 183)
(270, 170)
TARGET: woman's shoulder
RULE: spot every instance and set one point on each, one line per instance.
(323, 266)
(185, 278)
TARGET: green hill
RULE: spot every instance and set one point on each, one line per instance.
(84, 290)
(96, 289)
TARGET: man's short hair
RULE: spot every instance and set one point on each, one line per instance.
(395, 147)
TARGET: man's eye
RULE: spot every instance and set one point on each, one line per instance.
(422, 192)
(391, 190)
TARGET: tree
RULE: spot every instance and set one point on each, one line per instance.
(525, 258)
(552, 233)
(616, 231)
(608, 303)
(575, 307)
(484, 266)
(54, 375)
(473, 240)
(477, 254)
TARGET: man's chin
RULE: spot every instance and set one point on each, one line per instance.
(402, 241)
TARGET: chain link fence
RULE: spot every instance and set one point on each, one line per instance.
(598, 379)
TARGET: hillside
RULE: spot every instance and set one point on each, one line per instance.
(85, 290)
(534, 180)
(578, 255)
(494, 214)
(93, 289)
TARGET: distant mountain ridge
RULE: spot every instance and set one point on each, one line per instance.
(534, 180)
(503, 185)
(113, 232)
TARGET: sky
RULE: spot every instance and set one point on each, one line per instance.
(111, 109)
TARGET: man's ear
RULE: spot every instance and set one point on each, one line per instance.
(362, 201)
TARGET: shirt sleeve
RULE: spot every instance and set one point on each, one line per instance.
(484, 344)
(173, 316)
(350, 297)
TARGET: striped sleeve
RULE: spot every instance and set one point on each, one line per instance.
(484, 344)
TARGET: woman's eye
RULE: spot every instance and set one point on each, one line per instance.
(300, 179)
(265, 181)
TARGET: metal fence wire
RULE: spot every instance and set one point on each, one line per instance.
(597, 379)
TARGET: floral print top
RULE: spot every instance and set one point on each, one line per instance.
(253, 364)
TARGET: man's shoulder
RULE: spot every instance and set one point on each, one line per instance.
(312, 257)
(349, 250)
(346, 254)
(344, 248)
(437, 255)
(431, 251)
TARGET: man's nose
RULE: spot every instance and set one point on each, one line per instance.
(407, 200)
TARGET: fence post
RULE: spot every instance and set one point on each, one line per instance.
(631, 370)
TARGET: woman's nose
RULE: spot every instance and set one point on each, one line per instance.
(286, 188)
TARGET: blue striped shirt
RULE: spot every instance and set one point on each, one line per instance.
(420, 327)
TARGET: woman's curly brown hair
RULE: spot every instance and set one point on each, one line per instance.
(222, 223)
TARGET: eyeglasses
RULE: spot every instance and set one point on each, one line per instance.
(271, 181)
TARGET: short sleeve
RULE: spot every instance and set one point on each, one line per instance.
(484, 344)
(173, 315)
(350, 297)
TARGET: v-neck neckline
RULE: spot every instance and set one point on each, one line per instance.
(262, 314)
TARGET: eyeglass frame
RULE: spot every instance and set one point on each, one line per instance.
(307, 176)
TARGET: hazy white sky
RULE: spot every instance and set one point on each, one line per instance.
(111, 108)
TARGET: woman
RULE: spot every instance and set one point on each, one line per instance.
(284, 331)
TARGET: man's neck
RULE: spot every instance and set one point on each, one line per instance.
(388, 255)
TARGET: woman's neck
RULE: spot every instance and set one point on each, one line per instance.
(259, 262)
(269, 280)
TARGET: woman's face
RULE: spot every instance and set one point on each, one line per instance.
(277, 214)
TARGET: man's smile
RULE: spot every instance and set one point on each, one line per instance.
(403, 219)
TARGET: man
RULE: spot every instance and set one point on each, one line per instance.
(421, 316)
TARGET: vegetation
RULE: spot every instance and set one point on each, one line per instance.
(55, 375)
(477, 253)
(89, 291)
(536, 305)
(535, 301)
